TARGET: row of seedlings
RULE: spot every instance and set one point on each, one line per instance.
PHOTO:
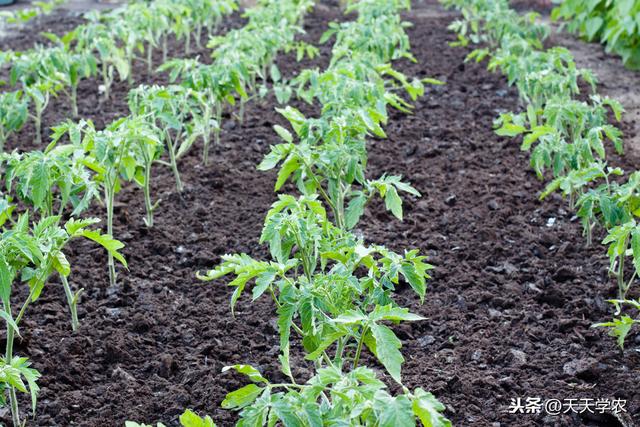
(565, 135)
(62, 181)
(332, 290)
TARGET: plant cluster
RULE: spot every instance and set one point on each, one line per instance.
(615, 23)
(106, 46)
(25, 15)
(55, 186)
(565, 134)
(240, 58)
(49, 186)
(334, 293)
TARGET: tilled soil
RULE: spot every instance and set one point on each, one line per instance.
(508, 310)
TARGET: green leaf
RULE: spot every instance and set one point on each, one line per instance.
(354, 210)
(283, 133)
(415, 280)
(6, 279)
(389, 312)
(393, 411)
(429, 410)
(191, 419)
(510, 129)
(7, 317)
(618, 328)
(288, 167)
(248, 370)
(393, 202)
(242, 397)
(61, 264)
(387, 347)
(106, 241)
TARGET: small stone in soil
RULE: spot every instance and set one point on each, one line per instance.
(426, 340)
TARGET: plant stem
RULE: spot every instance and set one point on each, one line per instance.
(74, 101)
(589, 233)
(206, 135)
(110, 196)
(187, 43)
(38, 124)
(174, 164)
(620, 276)
(15, 414)
(339, 351)
(73, 305)
(628, 284)
(241, 113)
(339, 208)
(106, 79)
(359, 349)
(164, 48)
(198, 36)
(147, 195)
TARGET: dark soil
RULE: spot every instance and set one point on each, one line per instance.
(509, 307)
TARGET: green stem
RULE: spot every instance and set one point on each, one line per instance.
(174, 164)
(15, 413)
(206, 135)
(73, 304)
(339, 351)
(74, 101)
(164, 48)
(38, 123)
(589, 233)
(359, 349)
(106, 80)
(110, 196)
(187, 43)
(147, 195)
(241, 114)
(620, 276)
(339, 208)
(198, 36)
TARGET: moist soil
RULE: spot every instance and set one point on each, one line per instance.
(509, 308)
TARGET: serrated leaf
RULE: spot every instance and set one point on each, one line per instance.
(242, 397)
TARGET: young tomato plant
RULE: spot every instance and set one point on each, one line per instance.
(14, 111)
(49, 181)
(187, 419)
(213, 87)
(330, 159)
(171, 110)
(621, 324)
(28, 70)
(336, 294)
(111, 156)
(314, 275)
(111, 57)
(66, 68)
(331, 397)
(31, 255)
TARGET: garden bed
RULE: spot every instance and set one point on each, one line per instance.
(508, 310)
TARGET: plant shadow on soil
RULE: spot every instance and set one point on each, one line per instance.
(508, 310)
